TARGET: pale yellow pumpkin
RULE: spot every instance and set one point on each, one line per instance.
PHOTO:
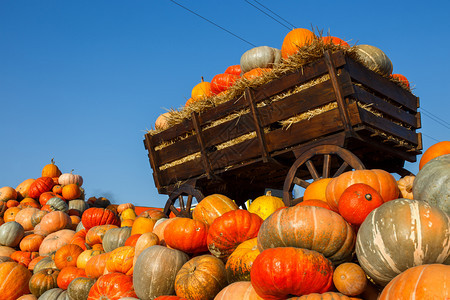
(405, 186)
(265, 205)
(128, 214)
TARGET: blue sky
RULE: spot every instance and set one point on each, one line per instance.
(81, 81)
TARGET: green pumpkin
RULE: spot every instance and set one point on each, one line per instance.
(260, 57)
(55, 294)
(11, 233)
(432, 183)
(79, 288)
(45, 263)
(115, 238)
(401, 234)
(57, 204)
(79, 205)
(374, 59)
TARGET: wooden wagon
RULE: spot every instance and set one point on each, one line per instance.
(341, 116)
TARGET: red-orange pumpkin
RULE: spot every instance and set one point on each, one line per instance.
(99, 216)
(334, 40)
(113, 286)
(67, 274)
(357, 201)
(14, 280)
(221, 82)
(234, 69)
(71, 191)
(187, 235)
(383, 182)
(39, 186)
(67, 256)
(279, 272)
(95, 267)
(231, 229)
(31, 242)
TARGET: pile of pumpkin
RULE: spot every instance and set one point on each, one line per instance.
(260, 60)
(56, 245)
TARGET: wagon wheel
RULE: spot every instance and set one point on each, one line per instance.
(186, 194)
(329, 153)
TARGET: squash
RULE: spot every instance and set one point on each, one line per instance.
(383, 182)
(23, 188)
(420, 282)
(142, 225)
(23, 217)
(401, 234)
(79, 288)
(260, 57)
(115, 238)
(159, 279)
(161, 121)
(265, 205)
(323, 296)
(121, 260)
(14, 280)
(279, 272)
(31, 242)
(239, 263)
(317, 190)
(70, 178)
(349, 279)
(67, 274)
(231, 229)
(55, 240)
(432, 183)
(202, 277)
(11, 233)
(145, 241)
(112, 286)
(374, 59)
(7, 193)
(309, 227)
(96, 266)
(55, 294)
(46, 263)
(405, 185)
(295, 39)
(43, 281)
(96, 234)
(54, 221)
(434, 151)
(187, 235)
(99, 216)
(211, 207)
(240, 290)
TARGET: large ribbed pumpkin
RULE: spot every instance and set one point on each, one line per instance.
(43, 281)
(240, 262)
(13, 280)
(296, 39)
(211, 207)
(11, 233)
(432, 183)
(115, 238)
(231, 229)
(383, 182)
(99, 216)
(374, 59)
(420, 282)
(39, 186)
(283, 271)
(309, 227)
(155, 271)
(402, 234)
(79, 288)
(201, 278)
(240, 290)
(55, 240)
(187, 235)
(112, 286)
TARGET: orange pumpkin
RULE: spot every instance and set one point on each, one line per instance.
(211, 207)
(335, 41)
(201, 91)
(317, 190)
(24, 257)
(421, 282)
(67, 274)
(23, 188)
(349, 279)
(51, 170)
(31, 242)
(132, 240)
(202, 277)
(434, 151)
(187, 235)
(14, 280)
(8, 193)
(67, 256)
(159, 228)
(54, 221)
(79, 239)
(95, 267)
(240, 290)
(95, 234)
(85, 256)
(10, 214)
(296, 39)
(383, 182)
(121, 260)
(71, 191)
(255, 73)
(142, 225)
(314, 202)
(55, 240)
(112, 286)
(23, 217)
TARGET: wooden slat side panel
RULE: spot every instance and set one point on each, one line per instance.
(381, 85)
(388, 127)
(323, 124)
(303, 101)
(182, 172)
(315, 69)
(385, 107)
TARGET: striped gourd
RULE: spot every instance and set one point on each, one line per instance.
(402, 234)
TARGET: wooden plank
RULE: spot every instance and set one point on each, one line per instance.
(258, 128)
(305, 100)
(419, 139)
(388, 126)
(173, 132)
(385, 107)
(418, 120)
(342, 105)
(381, 85)
(204, 154)
(154, 162)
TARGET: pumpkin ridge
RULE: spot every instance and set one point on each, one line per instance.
(413, 295)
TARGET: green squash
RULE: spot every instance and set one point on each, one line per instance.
(432, 183)
(260, 57)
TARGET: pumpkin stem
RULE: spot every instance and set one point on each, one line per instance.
(52, 161)
(203, 79)
(409, 187)
(269, 193)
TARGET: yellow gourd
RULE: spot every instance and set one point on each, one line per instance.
(265, 205)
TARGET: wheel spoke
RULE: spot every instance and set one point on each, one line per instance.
(326, 166)
(189, 203)
(174, 210)
(312, 169)
(298, 181)
(181, 201)
(341, 169)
